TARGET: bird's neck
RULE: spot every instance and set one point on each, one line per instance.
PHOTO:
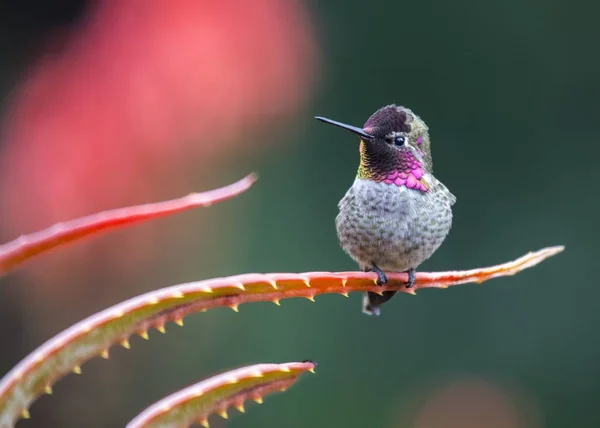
(393, 167)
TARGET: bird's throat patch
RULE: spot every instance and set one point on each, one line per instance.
(409, 173)
(401, 168)
(411, 179)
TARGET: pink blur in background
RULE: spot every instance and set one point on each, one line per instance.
(141, 89)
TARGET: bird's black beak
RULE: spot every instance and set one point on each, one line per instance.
(353, 129)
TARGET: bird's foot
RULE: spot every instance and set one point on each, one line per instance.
(381, 277)
(411, 278)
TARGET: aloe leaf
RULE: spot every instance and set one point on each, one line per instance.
(217, 394)
(13, 253)
(93, 336)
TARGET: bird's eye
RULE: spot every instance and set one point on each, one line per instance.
(399, 140)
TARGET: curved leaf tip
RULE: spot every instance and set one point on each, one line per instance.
(13, 253)
(217, 394)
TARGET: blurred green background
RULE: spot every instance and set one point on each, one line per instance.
(510, 92)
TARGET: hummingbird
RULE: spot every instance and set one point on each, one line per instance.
(396, 214)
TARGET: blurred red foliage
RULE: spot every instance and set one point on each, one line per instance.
(142, 95)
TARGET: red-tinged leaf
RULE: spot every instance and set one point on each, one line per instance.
(219, 393)
(67, 351)
(25, 247)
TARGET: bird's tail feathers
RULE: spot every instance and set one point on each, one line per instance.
(373, 301)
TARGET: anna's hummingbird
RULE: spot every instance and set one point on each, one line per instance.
(396, 214)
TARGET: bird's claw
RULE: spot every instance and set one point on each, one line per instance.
(411, 278)
(381, 277)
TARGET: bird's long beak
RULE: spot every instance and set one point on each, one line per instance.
(353, 129)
